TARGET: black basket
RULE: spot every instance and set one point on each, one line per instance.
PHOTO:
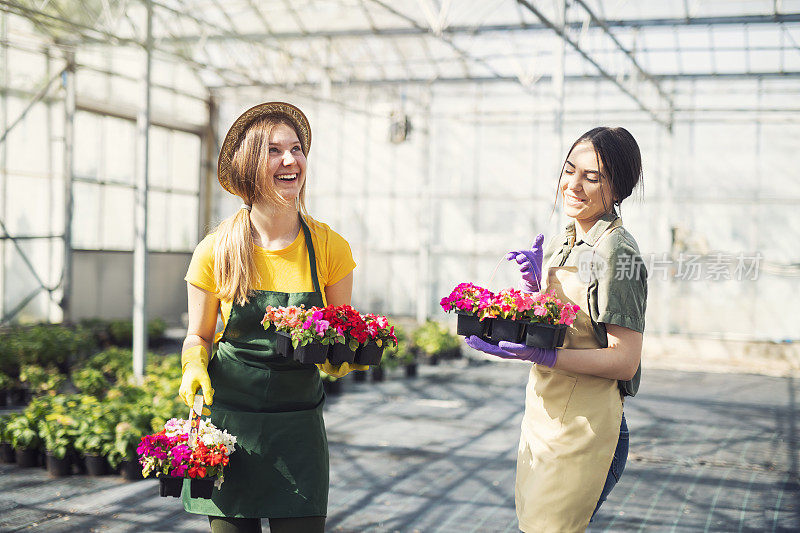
(313, 352)
(341, 353)
(545, 335)
(201, 488)
(370, 354)
(283, 344)
(170, 486)
(469, 325)
(506, 329)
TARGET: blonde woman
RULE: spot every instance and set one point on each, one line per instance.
(269, 253)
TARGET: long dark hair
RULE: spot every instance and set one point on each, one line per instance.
(620, 157)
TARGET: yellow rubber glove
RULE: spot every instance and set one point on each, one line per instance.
(194, 365)
(341, 370)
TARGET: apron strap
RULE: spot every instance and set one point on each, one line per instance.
(312, 258)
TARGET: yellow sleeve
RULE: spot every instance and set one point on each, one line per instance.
(338, 257)
(201, 267)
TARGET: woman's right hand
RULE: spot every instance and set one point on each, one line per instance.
(195, 376)
(530, 262)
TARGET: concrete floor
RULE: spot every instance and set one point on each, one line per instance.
(709, 452)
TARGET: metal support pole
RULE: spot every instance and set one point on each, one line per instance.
(208, 171)
(426, 220)
(68, 81)
(140, 238)
(3, 158)
(558, 80)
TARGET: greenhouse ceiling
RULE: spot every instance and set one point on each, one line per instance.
(637, 46)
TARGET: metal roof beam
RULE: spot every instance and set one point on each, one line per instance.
(515, 80)
(666, 122)
(492, 28)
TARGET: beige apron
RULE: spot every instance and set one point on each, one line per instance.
(570, 428)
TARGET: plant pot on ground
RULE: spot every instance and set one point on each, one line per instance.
(27, 457)
(170, 486)
(130, 470)
(58, 466)
(96, 465)
(378, 373)
(7, 453)
(411, 370)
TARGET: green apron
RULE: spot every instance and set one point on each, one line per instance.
(273, 405)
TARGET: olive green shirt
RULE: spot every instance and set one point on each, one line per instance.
(613, 269)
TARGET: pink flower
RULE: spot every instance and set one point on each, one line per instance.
(322, 325)
(539, 310)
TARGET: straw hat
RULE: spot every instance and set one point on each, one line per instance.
(279, 109)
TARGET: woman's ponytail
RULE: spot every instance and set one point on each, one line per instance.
(235, 272)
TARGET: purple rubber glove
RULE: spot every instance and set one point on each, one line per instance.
(530, 262)
(511, 350)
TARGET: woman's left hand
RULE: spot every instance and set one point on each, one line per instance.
(512, 350)
(341, 370)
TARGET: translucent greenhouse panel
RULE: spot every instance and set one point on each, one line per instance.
(181, 222)
(24, 143)
(353, 224)
(407, 232)
(403, 285)
(88, 144)
(778, 161)
(29, 68)
(116, 219)
(353, 148)
(119, 143)
(21, 282)
(455, 159)
(724, 162)
(92, 85)
(158, 218)
(774, 315)
(159, 159)
(186, 161)
(779, 233)
(86, 215)
(26, 208)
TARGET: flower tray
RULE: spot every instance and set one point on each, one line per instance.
(201, 488)
(469, 324)
(506, 329)
(313, 352)
(545, 335)
(370, 354)
(170, 486)
(341, 353)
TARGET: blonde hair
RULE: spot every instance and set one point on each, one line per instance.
(235, 272)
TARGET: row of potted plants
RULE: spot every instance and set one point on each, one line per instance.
(538, 319)
(99, 428)
(335, 333)
(39, 357)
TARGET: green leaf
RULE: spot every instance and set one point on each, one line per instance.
(353, 344)
(379, 342)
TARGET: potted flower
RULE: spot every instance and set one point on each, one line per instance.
(300, 333)
(549, 319)
(344, 330)
(508, 309)
(380, 335)
(6, 448)
(5, 383)
(435, 341)
(58, 434)
(121, 453)
(95, 435)
(470, 303)
(25, 438)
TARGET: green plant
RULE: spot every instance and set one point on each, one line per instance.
(24, 432)
(5, 432)
(121, 332)
(156, 328)
(91, 381)
(6, 382)
(58, 432)
(434, 338)
(116, 364)
(403, 353)
(40, 380)
(126, 439)
(94, 427)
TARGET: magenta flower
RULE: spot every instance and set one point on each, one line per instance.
(322, 325)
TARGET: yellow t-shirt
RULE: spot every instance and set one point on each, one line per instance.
(286, 270)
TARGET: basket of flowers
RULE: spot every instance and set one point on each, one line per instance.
(335, 333)
(169, 456)
(538, 319)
